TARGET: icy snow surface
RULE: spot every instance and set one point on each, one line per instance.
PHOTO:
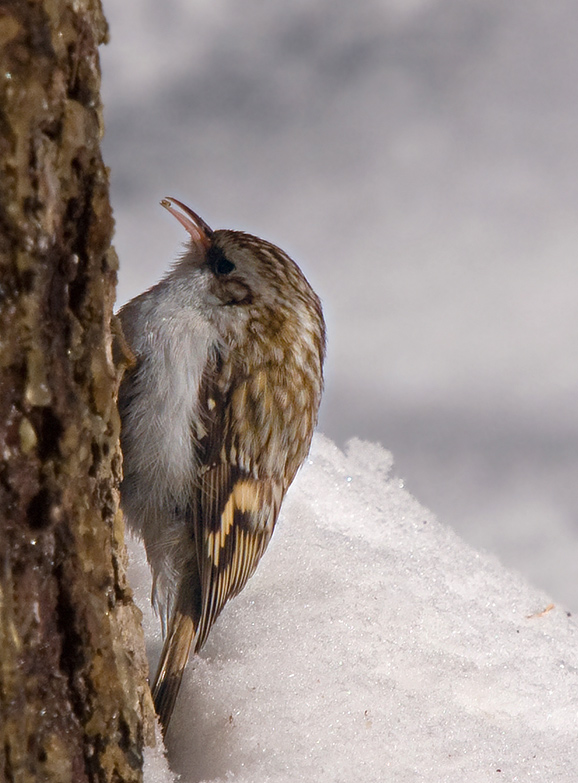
(372, 644)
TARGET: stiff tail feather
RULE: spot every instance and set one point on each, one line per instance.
(172, 664)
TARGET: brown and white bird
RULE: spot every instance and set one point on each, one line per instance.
(217, 415)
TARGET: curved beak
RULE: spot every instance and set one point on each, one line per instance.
(192, 223)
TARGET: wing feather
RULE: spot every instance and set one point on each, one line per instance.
(234, 521)
(233, 508)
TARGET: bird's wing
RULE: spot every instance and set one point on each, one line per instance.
(236, 503)
(233, 523)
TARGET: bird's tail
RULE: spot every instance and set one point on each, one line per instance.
(172, 664)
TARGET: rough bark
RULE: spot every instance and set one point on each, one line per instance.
(72, 666)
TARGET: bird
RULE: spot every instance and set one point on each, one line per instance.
(218, 407)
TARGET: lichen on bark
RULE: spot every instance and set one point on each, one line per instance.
(74, 704)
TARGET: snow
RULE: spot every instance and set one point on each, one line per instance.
(373, 644)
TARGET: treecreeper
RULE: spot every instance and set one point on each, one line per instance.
(218, 411)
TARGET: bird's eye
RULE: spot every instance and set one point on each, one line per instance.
(224, 266)
(219, 262)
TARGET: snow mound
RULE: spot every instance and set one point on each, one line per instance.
(372, 644)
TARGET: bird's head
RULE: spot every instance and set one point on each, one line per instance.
(247, 279)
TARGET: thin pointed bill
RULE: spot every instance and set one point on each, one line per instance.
(192, 223)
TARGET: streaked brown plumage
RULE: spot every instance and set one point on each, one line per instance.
(217, 415)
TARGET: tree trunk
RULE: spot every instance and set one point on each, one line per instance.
(74, 704)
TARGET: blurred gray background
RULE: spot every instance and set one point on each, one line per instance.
(418, 158)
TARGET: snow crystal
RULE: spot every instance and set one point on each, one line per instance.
(372, 644)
